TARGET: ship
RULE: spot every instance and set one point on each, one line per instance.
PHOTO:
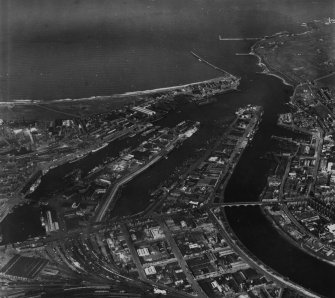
(101, 147)
(144, 134)
(34, 186)
(95, 169)
(133, 135)
(78, 157)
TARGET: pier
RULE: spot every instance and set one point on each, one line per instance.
(324, 77)
(238, 38)
(211, 65)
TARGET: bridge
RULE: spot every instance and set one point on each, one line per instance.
(258, 203)
(240, 204)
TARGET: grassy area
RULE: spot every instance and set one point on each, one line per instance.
(300, 57)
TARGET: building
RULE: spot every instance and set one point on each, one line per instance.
(144, 111)
(142, 252)
(150, 270)
(50, 223)
(331, 228)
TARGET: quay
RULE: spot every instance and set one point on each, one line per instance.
(114, 190)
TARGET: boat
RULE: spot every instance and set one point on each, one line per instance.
(133, 135)
(144, 134)
(78, 157)
(95, 169)
(34, 185)
(101, 147)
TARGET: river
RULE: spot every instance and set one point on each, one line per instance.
(148, 47)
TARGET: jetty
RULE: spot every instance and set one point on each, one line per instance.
(210, 64)
(238, 38)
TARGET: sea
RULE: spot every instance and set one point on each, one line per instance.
(73, 49)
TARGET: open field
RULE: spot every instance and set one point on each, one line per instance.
(300, 57)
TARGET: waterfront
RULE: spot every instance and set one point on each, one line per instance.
(250, 175)
(246, 183)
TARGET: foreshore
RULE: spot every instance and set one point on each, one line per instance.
(266, 68)
(81, 107)
(282, 232)
(107, 97)
(256, 263)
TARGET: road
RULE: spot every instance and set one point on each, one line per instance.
(140, 269)
(180, 258)
(133, 252)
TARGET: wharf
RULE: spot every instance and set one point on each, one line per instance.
(115, 188)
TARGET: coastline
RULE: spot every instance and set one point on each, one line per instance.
(284, 234)
(265, 68)
(108, 97)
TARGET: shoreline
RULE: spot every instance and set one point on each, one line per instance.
(268, 70)
(254, 262)
(265, 68)
(113, 96)
(291, 240)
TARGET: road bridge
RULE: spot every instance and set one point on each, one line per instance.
(240, 204)
(258, 203)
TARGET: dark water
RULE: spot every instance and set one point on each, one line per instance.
(73, 48)
(23, 223)
(104, 47)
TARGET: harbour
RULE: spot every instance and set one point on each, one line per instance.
(179, 68)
